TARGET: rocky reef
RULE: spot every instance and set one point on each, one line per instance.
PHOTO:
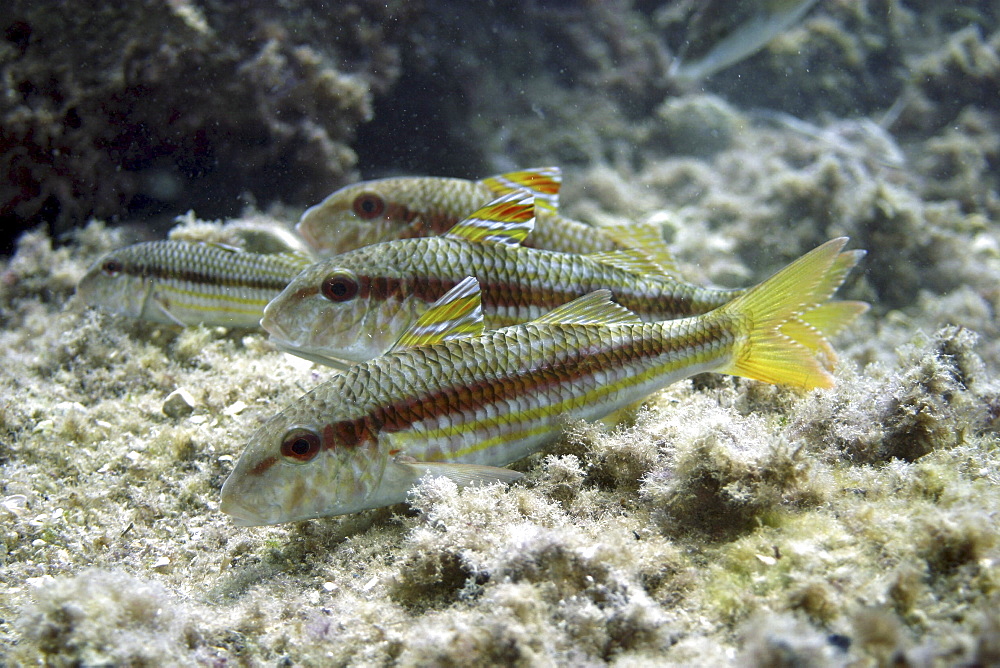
(131, 109)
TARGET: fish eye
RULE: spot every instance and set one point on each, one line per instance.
(300, 445)
(368, 206)
(112, 267)
(340, 286)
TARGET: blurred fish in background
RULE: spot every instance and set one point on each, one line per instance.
(724, 32)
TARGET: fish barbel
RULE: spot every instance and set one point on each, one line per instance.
(455, 401)
(406, 207)
(354, 306)
(185, 283)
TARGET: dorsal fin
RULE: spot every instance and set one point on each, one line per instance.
(645, 241)
(634, 262)
(542, 182)
(595, 308)
(457, 314)
(229, 248)
(506, 220)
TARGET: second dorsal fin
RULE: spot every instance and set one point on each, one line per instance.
(634, 262)
(506, 220)
(644, 251)
(595, 308)
(457, 314)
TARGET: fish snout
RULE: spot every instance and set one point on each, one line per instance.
(272, 325)
(232, 504)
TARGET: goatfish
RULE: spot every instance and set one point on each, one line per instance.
(354, 306)
(407, 207)
(184, 283)
(456, 401)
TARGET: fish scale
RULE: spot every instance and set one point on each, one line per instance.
(411, 207)
(465, 404)
(518, 284)
(178, 282)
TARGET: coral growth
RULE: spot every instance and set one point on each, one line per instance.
(836, 526)
(105, 618)
(940, 399)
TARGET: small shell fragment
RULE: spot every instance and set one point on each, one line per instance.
(178, 403)
(15, 504)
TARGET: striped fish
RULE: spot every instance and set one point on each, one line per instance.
(184, 283)
(455, 401)
(407, 207)
(355, 305)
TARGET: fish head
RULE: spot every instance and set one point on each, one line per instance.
(359, 215)
(113, 284)
(315, 459)
(352, 307)
(384, 209)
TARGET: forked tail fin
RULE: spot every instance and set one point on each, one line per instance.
(784, 321)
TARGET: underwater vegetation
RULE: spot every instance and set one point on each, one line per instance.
(134, 108)
(723, 522)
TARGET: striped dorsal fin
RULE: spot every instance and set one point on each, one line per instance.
(542, 182)
(457, 314)
(594, 308)
(506, 220)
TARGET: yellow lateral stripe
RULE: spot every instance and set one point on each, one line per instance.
(188, 298)
(673, 364)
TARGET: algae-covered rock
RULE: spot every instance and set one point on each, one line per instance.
(725, 522)
(133, 107)
(695, 125)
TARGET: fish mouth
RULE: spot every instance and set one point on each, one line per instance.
(242, 516)
(271, 326)
(231, 503)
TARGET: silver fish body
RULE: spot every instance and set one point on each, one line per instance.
(183, 283)
(462, 407)
(384, 287)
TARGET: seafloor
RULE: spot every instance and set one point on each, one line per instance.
(728, 522)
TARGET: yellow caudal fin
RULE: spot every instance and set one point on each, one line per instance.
(785, 320)
(831, 318)
(812, 328)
